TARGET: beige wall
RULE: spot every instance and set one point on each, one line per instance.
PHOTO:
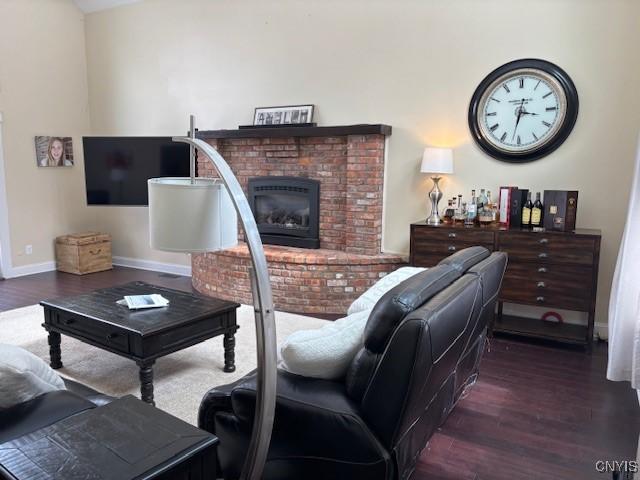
(411, 64)
(43, 91)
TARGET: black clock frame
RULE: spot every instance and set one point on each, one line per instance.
(563, 132)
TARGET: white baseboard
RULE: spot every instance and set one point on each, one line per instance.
(601, 327)
(184, 270)
(30, 269)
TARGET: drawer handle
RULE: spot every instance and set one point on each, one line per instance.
(540, 299)
(95, 252)
(452, 248)
(542, 270)
(68, 321)
(111, 336)
(452, 235)
(541, 285)
(542, 255)
(544, 240)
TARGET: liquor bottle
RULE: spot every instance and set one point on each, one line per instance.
(493, 208)
(526, 212)
(449, 212)
(482, 200)
(472, 209)
(485, 214)
(459, 215)
(537, 212)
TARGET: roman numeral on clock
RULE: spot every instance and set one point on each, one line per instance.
(519, 140)
(506, 88)
(546, 124)
(493, 128)
(551, 109)
(521, 82)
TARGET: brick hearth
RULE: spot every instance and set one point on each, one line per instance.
(350, 169)
(302, 280)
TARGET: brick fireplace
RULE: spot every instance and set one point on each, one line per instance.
(348, 163)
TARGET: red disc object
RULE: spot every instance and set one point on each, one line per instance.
(555, 315)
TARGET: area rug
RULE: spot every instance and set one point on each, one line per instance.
(180, 379)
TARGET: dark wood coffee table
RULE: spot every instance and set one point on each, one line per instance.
(123, 440)
(141, 335)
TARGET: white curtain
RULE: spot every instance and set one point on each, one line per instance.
(624, 306)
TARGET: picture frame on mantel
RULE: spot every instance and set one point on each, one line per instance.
(287, 115)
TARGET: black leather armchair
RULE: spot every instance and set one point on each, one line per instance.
(422, 346)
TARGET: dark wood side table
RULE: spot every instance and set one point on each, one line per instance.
(546, 269)
(141, 335)
(123, 440)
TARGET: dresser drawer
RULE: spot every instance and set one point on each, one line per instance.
(429, 245)
(547, 248)
(437, 234)
(429, 253)
(549, 285)
(100, 333)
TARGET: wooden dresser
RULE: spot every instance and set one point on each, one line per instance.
(554, 270)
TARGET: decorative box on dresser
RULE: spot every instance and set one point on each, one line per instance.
(555, 270)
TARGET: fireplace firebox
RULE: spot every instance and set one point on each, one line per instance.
(286, 210)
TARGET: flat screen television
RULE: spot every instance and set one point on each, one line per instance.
(116, 169)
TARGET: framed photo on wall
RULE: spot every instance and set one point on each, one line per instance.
(54, 151)
(285, 115)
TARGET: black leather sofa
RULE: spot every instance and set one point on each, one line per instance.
(47, 409)
(422, 347)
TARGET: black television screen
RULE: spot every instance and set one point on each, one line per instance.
(116, 169)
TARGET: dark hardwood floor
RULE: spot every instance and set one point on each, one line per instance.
(23, 291)
(537, 412)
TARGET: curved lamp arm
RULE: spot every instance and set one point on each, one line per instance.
(264, 316)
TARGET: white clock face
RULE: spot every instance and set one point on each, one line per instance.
(521, 111)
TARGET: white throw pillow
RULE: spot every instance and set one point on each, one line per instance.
(368, 299)
(24, 376)
(325, 352)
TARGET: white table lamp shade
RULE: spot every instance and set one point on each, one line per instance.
(186, 217)
(437, 160)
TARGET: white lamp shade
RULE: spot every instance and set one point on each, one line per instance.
(437, 160)
(186, 217)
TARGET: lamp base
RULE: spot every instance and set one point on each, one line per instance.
(434, 220)
(435, 195)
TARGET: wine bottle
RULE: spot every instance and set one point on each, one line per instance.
(537, 212)
(526, 212)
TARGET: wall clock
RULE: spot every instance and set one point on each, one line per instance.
(523, 110)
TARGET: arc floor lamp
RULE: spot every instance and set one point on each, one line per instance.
(200, 215)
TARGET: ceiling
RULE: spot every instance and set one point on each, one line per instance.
(89, 6)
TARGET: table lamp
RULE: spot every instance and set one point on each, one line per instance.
(435, 161)
(201, 215)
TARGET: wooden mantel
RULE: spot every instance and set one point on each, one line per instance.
(279, 132)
